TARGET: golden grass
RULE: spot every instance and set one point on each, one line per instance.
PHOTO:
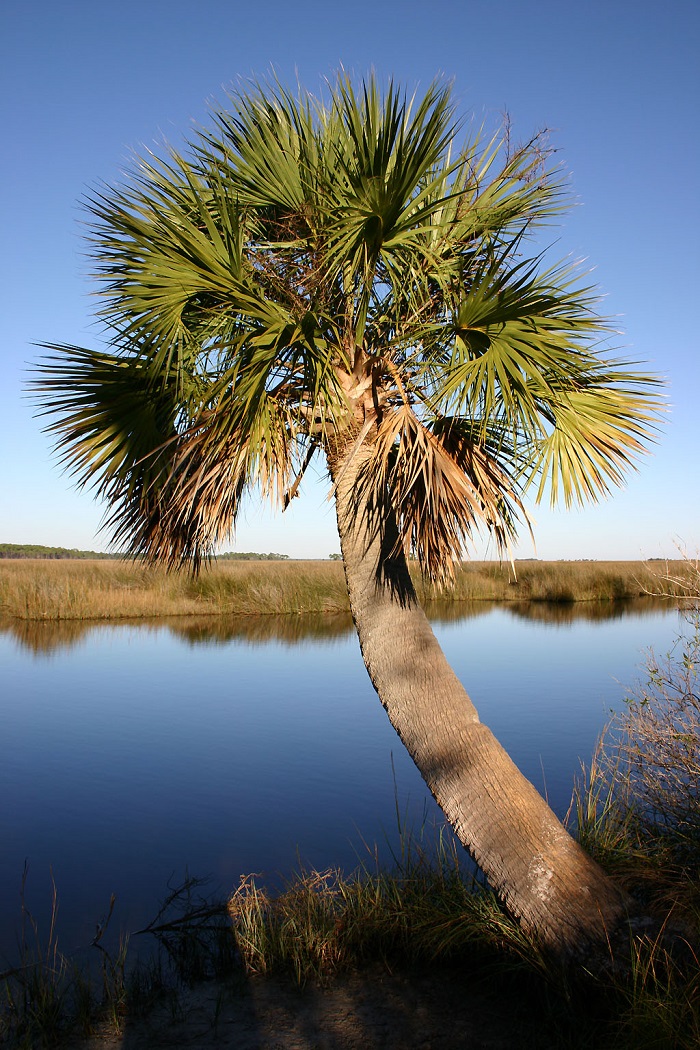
(105, 590)
(557, 581)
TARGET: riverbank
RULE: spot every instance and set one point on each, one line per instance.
(412, 960)
(435, 1008)
(107, 590)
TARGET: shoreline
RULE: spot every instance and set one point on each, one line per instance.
(104, 590)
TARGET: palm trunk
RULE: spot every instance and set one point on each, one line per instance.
(543, 877)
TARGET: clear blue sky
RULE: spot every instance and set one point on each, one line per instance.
(85, 83)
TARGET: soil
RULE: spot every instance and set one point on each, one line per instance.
(375, 1009)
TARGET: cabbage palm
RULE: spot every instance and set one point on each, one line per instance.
(338, 279)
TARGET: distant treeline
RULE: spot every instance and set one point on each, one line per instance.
(250, 556)
(36, 550)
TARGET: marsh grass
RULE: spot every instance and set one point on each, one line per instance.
(637, 810)
(429, 914)
(49, 997)
(54, 590)
(99, 590)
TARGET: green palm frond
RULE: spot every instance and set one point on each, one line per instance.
(271, 142)
(110, 412)
(117, 419)
(517, 333)
(599, 427)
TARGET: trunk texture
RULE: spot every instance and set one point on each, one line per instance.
(544, 878)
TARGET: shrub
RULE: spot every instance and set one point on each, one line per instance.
(639, 810)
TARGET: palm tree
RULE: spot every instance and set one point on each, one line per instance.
(338, 279)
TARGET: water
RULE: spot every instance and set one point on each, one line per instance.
(131, 754)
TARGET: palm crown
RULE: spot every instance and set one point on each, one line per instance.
(337, 275)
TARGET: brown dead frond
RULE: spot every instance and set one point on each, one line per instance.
(442, 486)
(189, 504)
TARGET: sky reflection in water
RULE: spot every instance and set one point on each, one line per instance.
(133, 752)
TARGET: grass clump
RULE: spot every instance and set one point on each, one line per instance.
(49, 998)
(638, 813)
(54, 1000)
(428, 910)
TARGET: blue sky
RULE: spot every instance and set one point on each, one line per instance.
(85, 84)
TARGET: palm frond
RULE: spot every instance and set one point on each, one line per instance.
(600, 425)
(442, 484)
(517, 334)
(109, 412)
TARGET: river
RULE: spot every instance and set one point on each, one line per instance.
(132, 754)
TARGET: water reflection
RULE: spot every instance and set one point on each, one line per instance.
(287, 629)
(45, 637)
(442, 610)
(588, 612)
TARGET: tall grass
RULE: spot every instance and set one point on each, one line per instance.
(638, 812)
(98, 590)
(55, 590)
(49, 998)
(426, 916)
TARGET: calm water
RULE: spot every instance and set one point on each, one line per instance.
(132, 754)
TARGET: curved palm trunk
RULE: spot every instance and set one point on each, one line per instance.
(542, 875)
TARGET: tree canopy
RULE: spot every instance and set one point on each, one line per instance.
(313, 271)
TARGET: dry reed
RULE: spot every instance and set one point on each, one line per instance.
(104, 590)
